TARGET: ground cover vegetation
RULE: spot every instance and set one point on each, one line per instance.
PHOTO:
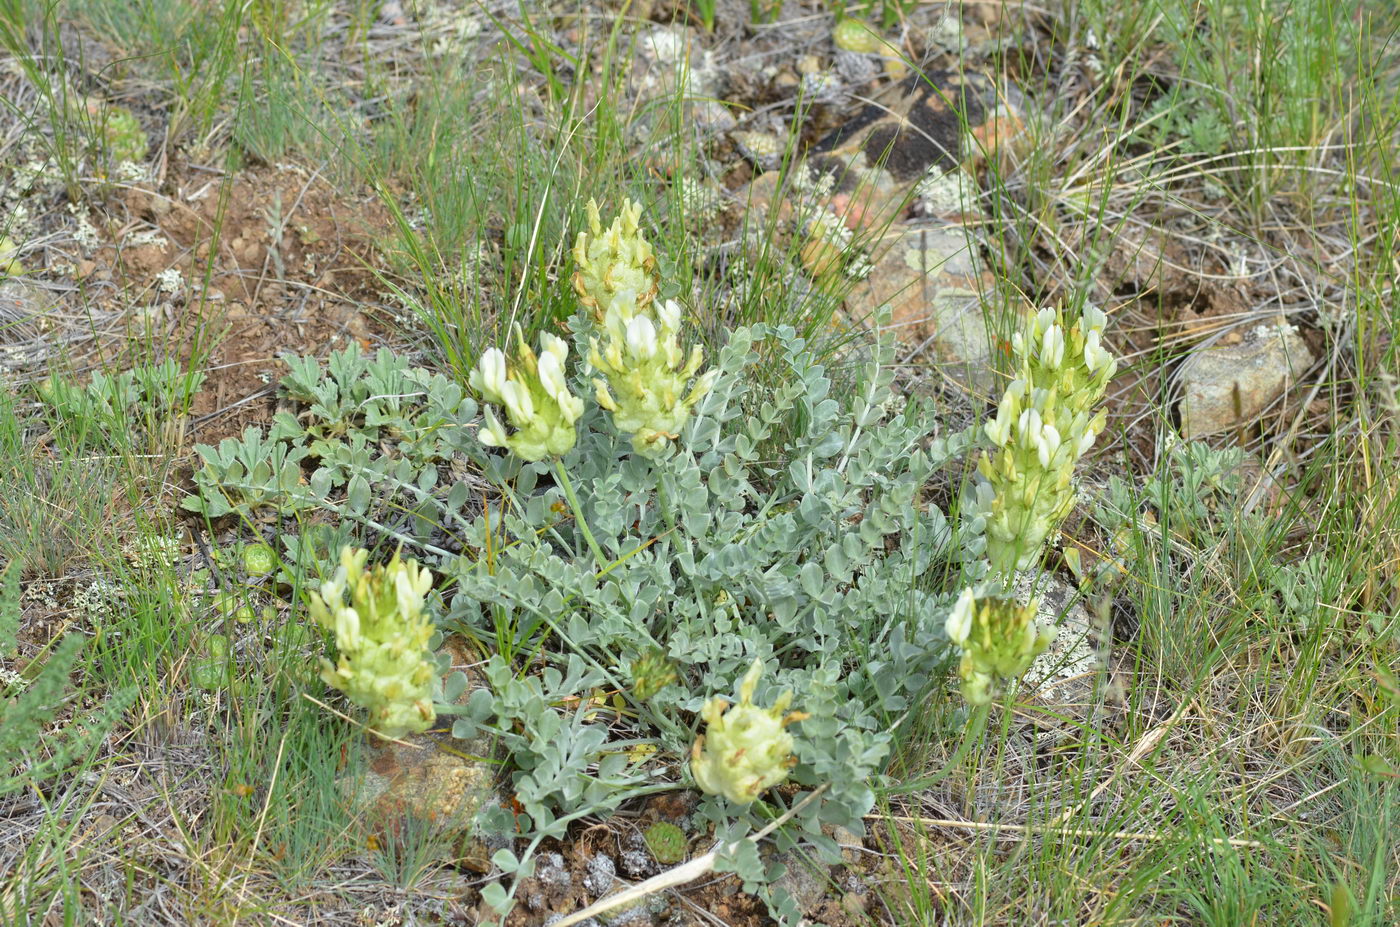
(706, 462)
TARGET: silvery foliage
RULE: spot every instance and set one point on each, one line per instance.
(785, 524)
(110, 406)
(372, 433)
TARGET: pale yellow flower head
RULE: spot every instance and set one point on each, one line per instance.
(649, 383)
(616, 268)
(1043, 425)
(534, 392)
(745, 750)
(381, 633)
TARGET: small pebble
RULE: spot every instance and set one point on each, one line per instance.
(601, 873)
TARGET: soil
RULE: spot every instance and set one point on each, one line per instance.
(275, 259)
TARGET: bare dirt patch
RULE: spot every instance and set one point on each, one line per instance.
(277, 259)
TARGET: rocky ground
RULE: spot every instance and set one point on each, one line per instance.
(932, 180)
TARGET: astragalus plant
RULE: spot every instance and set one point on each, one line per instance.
(660, 527)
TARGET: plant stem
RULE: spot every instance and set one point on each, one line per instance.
(578, 512)
(664, 500)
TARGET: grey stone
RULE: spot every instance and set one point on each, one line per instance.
(26, 337)
(1225, 386)
(637, 913)
(851, 845)
(805, 880)
(935, 285)
(1065, 673)
(602, 872)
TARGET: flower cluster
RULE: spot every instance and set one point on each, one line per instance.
(646, 382)
(999, 638)
(534, 395)
(381, 636)
(745, 750)
(616, 268)
(1044, 424)
(646, 375)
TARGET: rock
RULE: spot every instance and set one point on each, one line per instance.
(711, 116)
(1144, 258)
(764, 149)
(25, 327)
(759, 196)
(1065, 674)
(638, 913)
(602, 872)
(935, 285)
(871, 166)
(430, 779)
(914, 127)
(851, 845)
(1226, 386)
(805, 880)
(667, 62)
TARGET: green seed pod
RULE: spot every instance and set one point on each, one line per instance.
(9, 264)
(855, 36)
(259, 560)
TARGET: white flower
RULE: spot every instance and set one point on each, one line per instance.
(347, 626)
(1095, 357)
(489, 377)
(1093, 319)
(555, 345)
(999, 429)
(1028, 425)
(516, 399)
(551, 371)
(1052, 346)
(1086, 442)
(668, 315)
(641, 337)
(493, 433)
(1048, 445)
(959, 623)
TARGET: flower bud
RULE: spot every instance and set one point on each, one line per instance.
(999, 639)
